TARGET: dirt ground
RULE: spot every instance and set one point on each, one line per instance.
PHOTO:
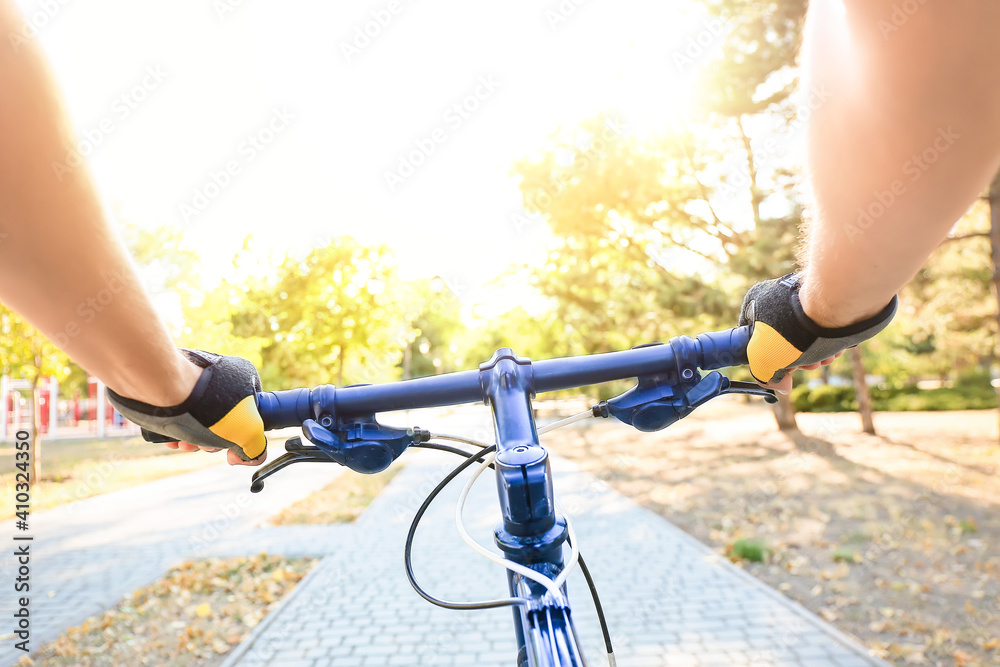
(894, 538)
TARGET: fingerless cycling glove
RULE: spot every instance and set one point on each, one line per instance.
(220, 412)
(784, 337)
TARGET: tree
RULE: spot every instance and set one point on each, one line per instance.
(989, 230)
(993, 197)
(27, 352)
(339, 307)
(436, 327)
(536, 336)
(756, 69)
(948, 312)
(861, 391)
(209, 323)
(656, 236)
(756, 77)
(681, 203)
(167, 264)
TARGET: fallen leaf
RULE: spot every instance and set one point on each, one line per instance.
(840, 572)
(879, 626)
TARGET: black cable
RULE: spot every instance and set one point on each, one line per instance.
(471, 458)
(450, 450)
(478, 457)
(597, 602)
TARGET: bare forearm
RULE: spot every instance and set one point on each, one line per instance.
(60, 265)
(906, 139)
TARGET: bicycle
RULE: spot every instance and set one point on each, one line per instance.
(342, 427)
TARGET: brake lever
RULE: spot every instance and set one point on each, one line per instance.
(750, 389)
(652, 405)
(295, 452)
(363, 445)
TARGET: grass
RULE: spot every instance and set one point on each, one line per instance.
(77, 469)
(845, 555)
(341, 501)
(968, 526)
(744, 549)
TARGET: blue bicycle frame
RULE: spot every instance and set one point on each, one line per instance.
(341, 423)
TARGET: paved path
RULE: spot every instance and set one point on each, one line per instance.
(88, 554)
(669, 599)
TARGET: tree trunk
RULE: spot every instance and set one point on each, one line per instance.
(36, 435)
(784, 410)
(994, 199)
(784, 414)
(755, 194)
(861, 390)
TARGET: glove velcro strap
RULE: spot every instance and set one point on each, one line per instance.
(829, 342)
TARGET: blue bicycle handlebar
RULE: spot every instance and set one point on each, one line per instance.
(281, 409)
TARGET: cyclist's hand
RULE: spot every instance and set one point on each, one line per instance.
(220, 413)
(784, 338)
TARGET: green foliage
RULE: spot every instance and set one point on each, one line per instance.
(947, 319)
(336, 315)
(824, 398)
(641, 252)
(906, 398)
(662, 235)
(533, 336)
(957, 398)
(761, 44)
(744, 549)
(25, 352)
(209, 323)
(437, 328)
(167, 263)
(846, 555)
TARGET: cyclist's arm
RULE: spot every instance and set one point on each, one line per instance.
(903, 100)
(904, 138)
(61, 266)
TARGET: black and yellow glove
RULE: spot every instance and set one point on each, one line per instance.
(784, 337)
(220, 412)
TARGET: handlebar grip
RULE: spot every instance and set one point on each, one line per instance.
(720, 349)
(281, 409)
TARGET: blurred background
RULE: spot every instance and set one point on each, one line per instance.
(356, 192)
